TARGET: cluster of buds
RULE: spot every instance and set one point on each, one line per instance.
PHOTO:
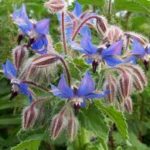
(64, 120)
(131, 78)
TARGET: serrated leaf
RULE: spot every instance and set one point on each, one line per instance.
(28, 145)
(93, 120)
(116, 116)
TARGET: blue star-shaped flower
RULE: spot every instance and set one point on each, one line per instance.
(36, 31)
(11, 73)
(78, 97)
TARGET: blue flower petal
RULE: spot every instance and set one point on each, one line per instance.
(87, 85)
(87, 45)
(21, 19)
(131, 59)
(96, 95)
(112, 61)
(40, 45)
(63, 90)
(85, 31)
(24, 89)
(77, 10)
(9, 70)
(138, 49)
(114, 49)
(42, 27)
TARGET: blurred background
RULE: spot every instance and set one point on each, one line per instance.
(130, 15)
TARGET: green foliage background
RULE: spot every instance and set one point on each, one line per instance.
(137, 20)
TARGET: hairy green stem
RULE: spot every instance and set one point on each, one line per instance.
(66, 70)
(36, 85)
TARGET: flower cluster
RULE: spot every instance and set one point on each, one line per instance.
(114, 59)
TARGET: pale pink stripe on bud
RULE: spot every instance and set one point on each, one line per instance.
(55, 5)
(30, 114)
(19, 54)
(125, 84)
(72, 127)
(128, 105)
(110, 85)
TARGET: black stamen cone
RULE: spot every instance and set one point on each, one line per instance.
(30, 42)
(13, 95)
(146, 64)
(20, 38)
(94, 65)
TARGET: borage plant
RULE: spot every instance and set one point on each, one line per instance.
(76, 98)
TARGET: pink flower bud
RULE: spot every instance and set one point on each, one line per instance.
(125, 84)
(111, 85)
(19, 55)
(30, 114)
(113, 34)
(55, 5)
(57, 125)
(72, 127)
(128, 105)
(102, 24)
(137, 36)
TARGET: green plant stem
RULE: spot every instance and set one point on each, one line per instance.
(109, 9)
(36, 85)
(66, 70)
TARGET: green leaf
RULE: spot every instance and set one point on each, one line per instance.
(141, 6)
(90, 2)
(10, 121)
(116, 116)
(28, 145)
(93, 120)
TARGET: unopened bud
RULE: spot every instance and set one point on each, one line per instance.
(72, 127)
(125, 84)
(128, 105)
(57, 125)
(19, 55)
(113, 34)
(137, 36)
(102, 25)
(110, 85)
(55, 5)
(30, 114)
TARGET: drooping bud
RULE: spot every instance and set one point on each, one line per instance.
(72, 127)
(30, 114)
(113, 34)
(137, 36)
(110, 85)
(41, 62)
(139, 72)
(58, 123)
(19, 55)
(125, 84)
(102, 24)
(128, 105)
(55, 5)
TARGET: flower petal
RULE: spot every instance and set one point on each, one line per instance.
(9, 70)
(77, 10)
(112, 61)
(21, 19)
(138, 49)
(40, 45)
(87, 85)
(114, 49)
(96, 95)
(42, 27)
(63, 90)
(88, 47)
